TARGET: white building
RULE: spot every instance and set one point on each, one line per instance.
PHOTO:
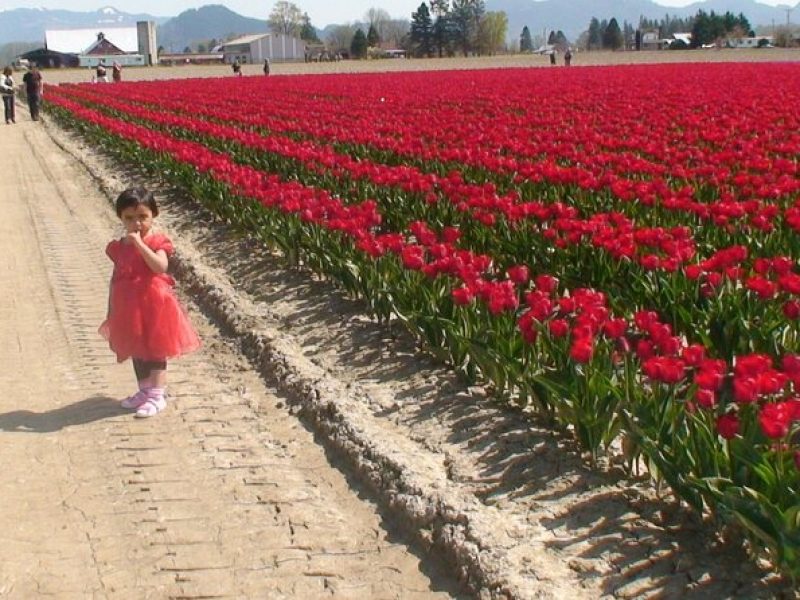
(76, 41)
(749, 42)
(127, 46)
(650, 40)
(255, 48)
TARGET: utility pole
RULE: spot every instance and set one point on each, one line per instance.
(788, 12)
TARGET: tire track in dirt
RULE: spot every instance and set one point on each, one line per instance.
(223, 495)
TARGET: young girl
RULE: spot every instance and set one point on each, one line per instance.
(145, 321)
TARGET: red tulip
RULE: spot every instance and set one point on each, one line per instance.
(728, 425)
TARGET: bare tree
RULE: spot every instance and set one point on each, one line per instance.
(339, 37)
(394, 31)
(378, 18)
(286, 18)
(783, 36)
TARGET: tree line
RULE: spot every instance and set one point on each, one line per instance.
(437, 28)
(705, 27)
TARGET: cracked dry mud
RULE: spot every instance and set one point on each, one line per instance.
(226, 493)
(223, 495)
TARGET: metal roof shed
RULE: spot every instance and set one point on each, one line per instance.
(257, 47)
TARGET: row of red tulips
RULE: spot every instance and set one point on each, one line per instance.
(655, 249)
(719, 432)
(194, 99)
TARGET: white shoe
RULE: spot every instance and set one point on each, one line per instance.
(151, 407)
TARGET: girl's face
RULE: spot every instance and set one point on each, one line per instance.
(137, 218)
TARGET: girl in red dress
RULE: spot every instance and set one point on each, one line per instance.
(145, 321)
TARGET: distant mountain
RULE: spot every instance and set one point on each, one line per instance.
(573, 16)
(29, 24)
(203, 24)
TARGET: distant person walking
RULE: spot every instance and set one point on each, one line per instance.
(7, 89)
(34, 88)
(237, 68)
(552, 57)
(567, 57)
(116, 72)
(266, 66)
(100, 73)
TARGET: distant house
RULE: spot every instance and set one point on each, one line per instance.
(80, 41)
(650, 40)
(680, 38)
(88, 47)
(750, 42)
(686, 38)
(257, 47)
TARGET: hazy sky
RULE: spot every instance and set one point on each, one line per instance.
(322, 12)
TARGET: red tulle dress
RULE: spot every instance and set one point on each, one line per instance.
(145, 320)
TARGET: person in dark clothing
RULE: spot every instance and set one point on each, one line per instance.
(567, 57)
(7, 89)
(33, 90)
(266, 66)
(237, 68)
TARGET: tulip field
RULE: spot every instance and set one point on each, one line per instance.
(612, 249)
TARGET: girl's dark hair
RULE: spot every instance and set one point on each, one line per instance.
(134, 197)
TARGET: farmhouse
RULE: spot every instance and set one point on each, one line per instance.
(650, 40)
(257, 47)
(88, 47)
(750, 42)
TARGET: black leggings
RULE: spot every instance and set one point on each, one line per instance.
(143, 368)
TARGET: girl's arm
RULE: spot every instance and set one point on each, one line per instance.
(156, 260)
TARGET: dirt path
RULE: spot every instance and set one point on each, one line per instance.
(225, 494)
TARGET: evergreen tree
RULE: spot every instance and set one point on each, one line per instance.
(525, 41)
(442, 27)
(308, 33)
(627, 34)
(358, 47)
(421, 33)
(595, 41)
(465, 18)
(612, 35)
(373, 39)
(561, 40)
(744, 23)
(551, 39)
